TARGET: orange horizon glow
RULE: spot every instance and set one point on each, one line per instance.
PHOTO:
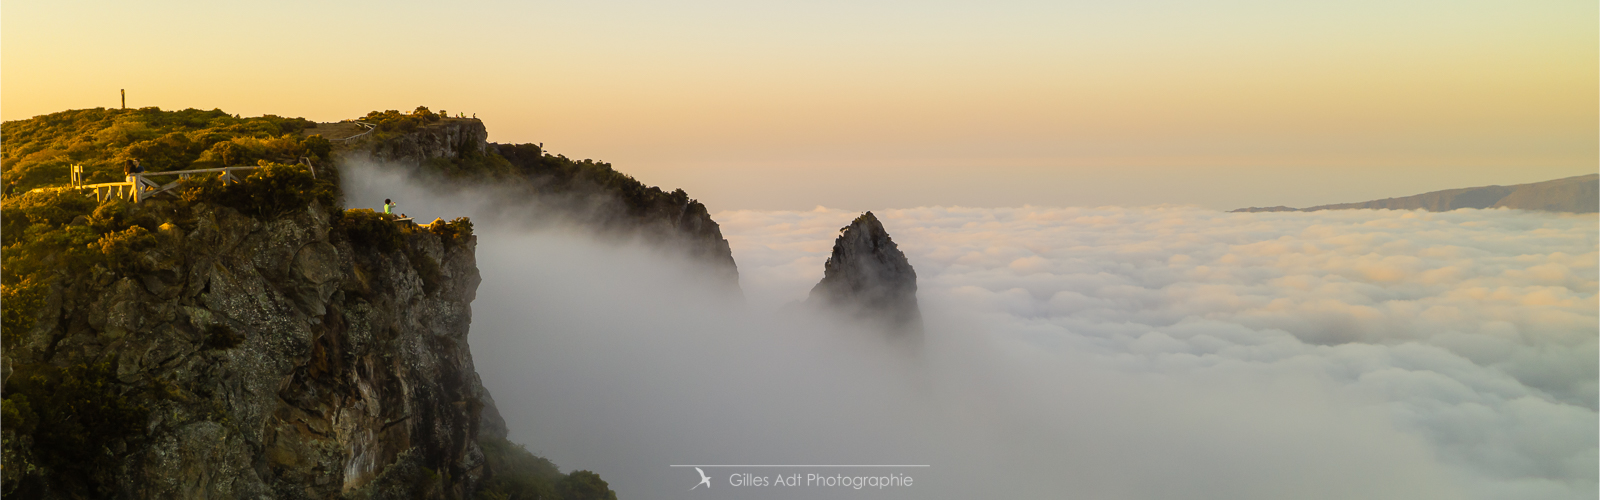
(726, 99)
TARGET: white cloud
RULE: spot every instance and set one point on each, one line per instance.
(1165, 352)
(1473, 329)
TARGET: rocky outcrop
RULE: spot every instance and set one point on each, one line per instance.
(447, 139)
(869, 277)
(277, 358)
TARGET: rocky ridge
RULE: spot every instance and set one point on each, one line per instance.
(1579, 194)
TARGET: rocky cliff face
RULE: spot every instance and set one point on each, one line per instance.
(868, 276)
(447, 139)
(266, 358)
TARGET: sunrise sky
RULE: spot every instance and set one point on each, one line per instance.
(874, 104)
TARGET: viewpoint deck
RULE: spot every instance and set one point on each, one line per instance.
(138, 187)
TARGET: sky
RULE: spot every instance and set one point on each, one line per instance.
(881, 104)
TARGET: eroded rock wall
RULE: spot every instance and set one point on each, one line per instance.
(292, 362)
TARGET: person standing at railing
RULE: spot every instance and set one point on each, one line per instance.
(131, 167)
(388, 206)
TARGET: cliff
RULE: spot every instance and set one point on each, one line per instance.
(1579, 194)
(868, 276)
(246, 341)
(254, 339)
(533, 184)
(278, 358)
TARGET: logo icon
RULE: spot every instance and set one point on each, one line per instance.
(704, 479)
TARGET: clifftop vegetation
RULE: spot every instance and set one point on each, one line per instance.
(38, 151)
(546, 173)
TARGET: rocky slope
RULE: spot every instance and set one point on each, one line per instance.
(1579, 194)
(257, 358)
(869, 277)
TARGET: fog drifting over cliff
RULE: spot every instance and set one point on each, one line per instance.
(1166, 352)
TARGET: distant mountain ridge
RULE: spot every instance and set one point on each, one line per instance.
(1579, 194)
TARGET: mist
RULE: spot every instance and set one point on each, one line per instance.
(1163, 352)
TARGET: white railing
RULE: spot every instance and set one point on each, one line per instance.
(138, 186)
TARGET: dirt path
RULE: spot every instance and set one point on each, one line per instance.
(334, 130)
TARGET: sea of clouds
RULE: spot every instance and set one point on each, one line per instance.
(1156, 352)
(1474, 329)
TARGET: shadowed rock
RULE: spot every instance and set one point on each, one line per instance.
(868, 276)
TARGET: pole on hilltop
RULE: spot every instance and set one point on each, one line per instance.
(124, 98)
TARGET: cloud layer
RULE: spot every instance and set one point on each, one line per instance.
(1167, 352)
(1475, 330)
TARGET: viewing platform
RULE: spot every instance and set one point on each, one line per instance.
(141, 186)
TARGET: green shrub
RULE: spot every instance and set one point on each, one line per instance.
(395, 121)
(272, 190)
(19, 309)
(50, 208)
(120, 249)
(74, 417)
(584, 485)
(516, 473)
(40, 242)
(453, 232)
(17, 416)
(318, 146)
(556, 173)
(371, 230)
